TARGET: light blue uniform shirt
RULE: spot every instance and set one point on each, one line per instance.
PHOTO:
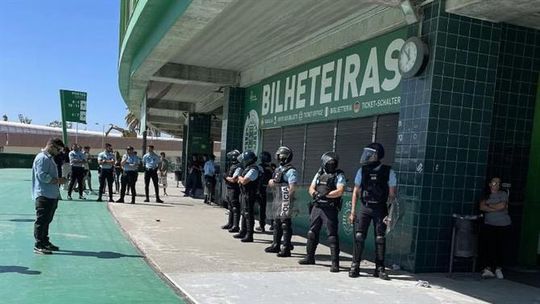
(340, 179)
(76, 156)
(209, 168)
(392, 180)
(237, 172)
(43, 172)
(290, 176)
(151, 160)
(132, 162)
(252, 174)
(105, 156)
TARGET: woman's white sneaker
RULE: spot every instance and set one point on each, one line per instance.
(487, 274)
(499, 274)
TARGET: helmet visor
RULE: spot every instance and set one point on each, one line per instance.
(369, 155)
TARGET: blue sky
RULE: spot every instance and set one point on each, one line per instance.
(59, 44)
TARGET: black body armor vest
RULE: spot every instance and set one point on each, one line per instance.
(232, 168)
(325, 184)
(375, 184)
(265, 176)
(279, 174)
(252, 188)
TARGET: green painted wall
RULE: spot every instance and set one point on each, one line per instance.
(530, 229)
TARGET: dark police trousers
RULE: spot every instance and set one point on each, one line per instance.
(77, 174)
(328, 215)
(369, 213)
(106, 175)
(45, 208)
(261, 201)
(151, 174)
(129, 178)
(234, 208)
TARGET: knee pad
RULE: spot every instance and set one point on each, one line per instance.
(380, 240)
(360, 237)
(311, 235)
(284, 225)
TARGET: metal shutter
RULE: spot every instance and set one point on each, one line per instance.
(387, 136)
(293, 137)
(319, 139)
(271, 140)
(352, 136)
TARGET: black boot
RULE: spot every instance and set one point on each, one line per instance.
(381, 273)
(274, 248)
(236, 220)
(250, 223)
(358, 247)
(243, 229)
(287, 235)
(334, 256)
(229, 224)
(380, 250)
(309, 259)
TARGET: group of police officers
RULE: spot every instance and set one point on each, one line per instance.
(249, 183)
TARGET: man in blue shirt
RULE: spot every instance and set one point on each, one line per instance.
(106, 160)
(151, 162)
(77, 160)
(210, 179)
(45, 192)
(375, 185)
(326, 190)
(283, 185)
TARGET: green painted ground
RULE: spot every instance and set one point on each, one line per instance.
(96, 264)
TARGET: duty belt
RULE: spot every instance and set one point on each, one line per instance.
(370, 202)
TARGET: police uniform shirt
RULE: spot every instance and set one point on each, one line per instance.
(392, 180)
(76, 156)
(340, 179)
(291, 176)
(237, 172)
(252, 174)
(132, 162)
(151, 160)
(105, 155)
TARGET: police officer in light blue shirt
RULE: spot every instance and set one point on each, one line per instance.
(77, 159)
(130, 163)
(151, 162)
(106, 160)
(249, 187)
(45, 192)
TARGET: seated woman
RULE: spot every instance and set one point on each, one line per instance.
(495, 229)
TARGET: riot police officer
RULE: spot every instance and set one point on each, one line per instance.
(326, 190)
(249, 189)
(233, 191)
(375, 185)
(283, 185)
(266, 170)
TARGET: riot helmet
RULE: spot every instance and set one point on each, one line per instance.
(372, 153)
(248, 158)
(284, 155)
(329, 162)
(265, 157)
(233, 156)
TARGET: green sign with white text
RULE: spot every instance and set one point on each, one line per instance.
(358, 81)
(73, 106)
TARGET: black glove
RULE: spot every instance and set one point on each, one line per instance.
(314, 194)
(318, 196)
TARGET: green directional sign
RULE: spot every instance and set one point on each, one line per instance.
(73, 106)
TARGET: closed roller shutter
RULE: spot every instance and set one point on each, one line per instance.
(293, 137)
(319, 139)
(271, 140)
(387, 136)
(352, 136)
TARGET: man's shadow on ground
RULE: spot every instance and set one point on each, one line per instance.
(19, 269)
(99, 254)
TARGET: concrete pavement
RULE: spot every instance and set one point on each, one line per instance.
(182, 239)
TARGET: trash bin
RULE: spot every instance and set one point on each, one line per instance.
(464, 239)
